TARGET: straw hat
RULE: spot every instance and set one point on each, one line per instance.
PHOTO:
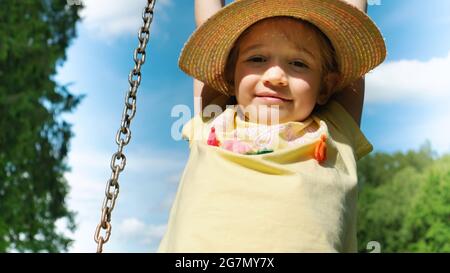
(358, 42)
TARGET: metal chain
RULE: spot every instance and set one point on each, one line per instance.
(123, 136)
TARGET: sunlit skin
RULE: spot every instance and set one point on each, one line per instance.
(271, 64)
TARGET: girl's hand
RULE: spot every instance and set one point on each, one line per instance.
(205, 9)
(360, 4)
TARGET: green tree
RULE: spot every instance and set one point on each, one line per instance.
(403, 201)
(34, 140)
(379, 168)
(382, 210)
(427, 225)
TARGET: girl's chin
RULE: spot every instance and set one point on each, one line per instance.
(266, 117)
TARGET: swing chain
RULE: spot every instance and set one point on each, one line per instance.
(123, 136)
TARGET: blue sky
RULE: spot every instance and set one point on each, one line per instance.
(406, 103)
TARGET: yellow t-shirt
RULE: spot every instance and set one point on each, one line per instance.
(283, 201)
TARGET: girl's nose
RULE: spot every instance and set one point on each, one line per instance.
(275, 76)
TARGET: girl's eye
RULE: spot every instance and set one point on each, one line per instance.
(256, 59)
(299, 64)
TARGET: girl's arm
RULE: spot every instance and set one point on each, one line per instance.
(360, 4)
(203, 10)
(352, 97)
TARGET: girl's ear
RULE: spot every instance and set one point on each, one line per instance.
(329, 83)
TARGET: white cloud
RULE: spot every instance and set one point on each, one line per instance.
(424, 85)
(87, 183)
(110, 19)
(134, 230)
(90, 171)
(409, 80)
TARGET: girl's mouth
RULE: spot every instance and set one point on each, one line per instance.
(271, 98)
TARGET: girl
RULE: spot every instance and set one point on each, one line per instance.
(276, 170)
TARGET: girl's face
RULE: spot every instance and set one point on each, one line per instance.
(278, 73)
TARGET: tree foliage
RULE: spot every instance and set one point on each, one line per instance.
(427, 226)
(34, 140)
(404, 201)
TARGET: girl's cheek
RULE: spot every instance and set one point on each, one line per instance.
(248, 80)
(301, 86)
(246, 70)
(303, 93)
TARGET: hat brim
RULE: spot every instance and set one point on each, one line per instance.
(358, 42)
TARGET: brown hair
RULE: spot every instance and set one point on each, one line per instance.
(328, 53)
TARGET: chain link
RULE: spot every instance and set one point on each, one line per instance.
(123, 136)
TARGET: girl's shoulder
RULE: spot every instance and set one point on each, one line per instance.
(339, 121)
